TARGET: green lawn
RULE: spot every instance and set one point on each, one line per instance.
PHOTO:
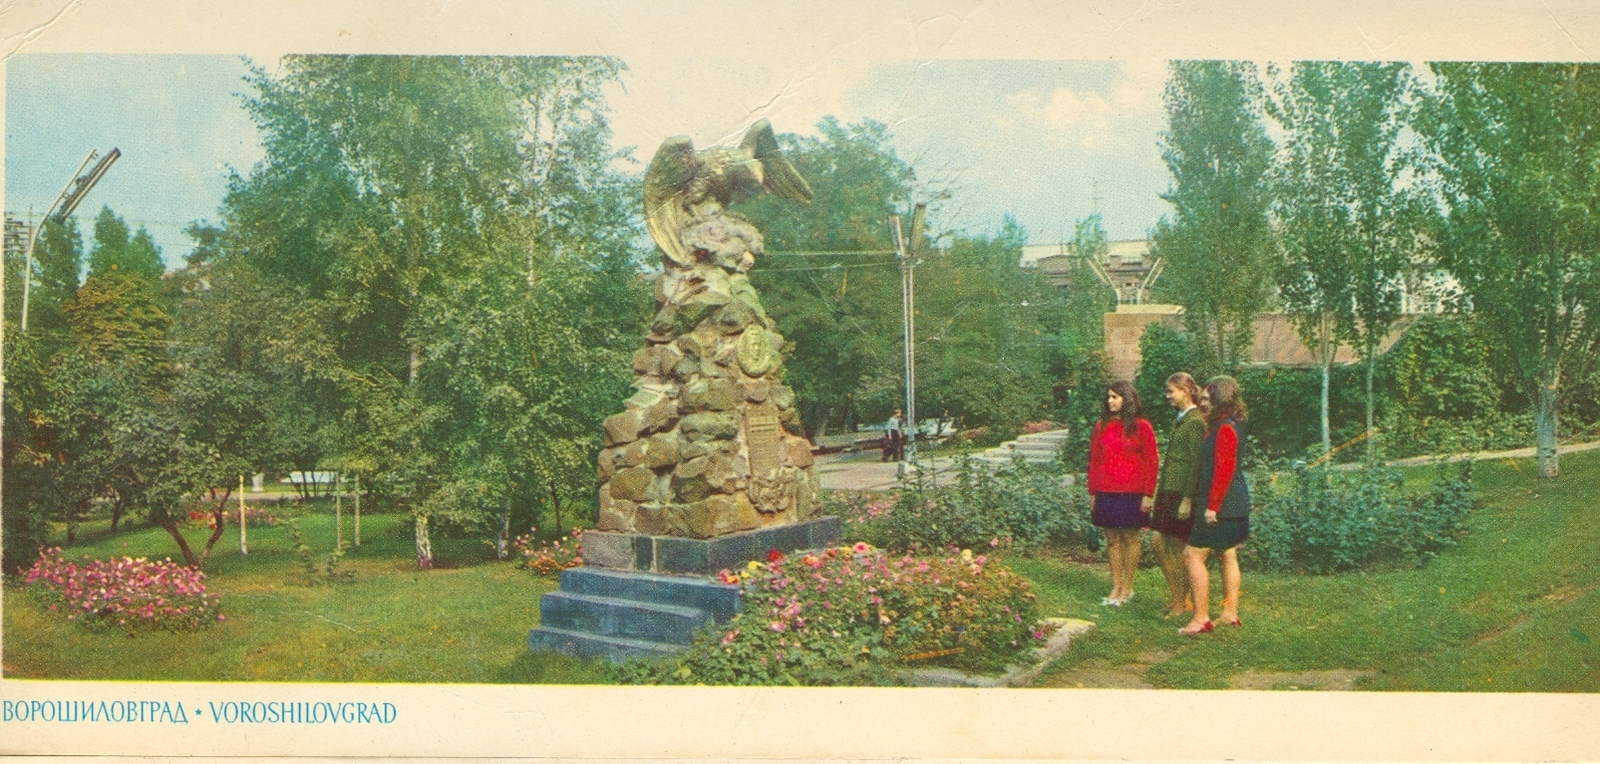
(465, 621)
(1515, 607)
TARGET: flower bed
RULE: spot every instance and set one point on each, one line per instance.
(125, 593)
(549, 558)
(858, 615)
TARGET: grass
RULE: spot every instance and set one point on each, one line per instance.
(465, 621)
(1516, 607)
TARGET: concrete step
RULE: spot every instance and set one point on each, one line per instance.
(596, 646)
(722, 601)
(614, 617)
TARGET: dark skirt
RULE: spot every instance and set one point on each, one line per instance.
(1117, 510)
(1228, 533)
(1164, 519)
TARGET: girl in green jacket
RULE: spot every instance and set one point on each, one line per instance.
(1180, 468)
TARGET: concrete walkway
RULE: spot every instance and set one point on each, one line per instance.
(864, 472)
(1515, 453)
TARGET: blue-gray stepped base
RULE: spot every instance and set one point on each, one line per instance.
(619, 614)
(675, 554)
(641, 596)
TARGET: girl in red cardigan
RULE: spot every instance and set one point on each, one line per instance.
(1122, 480)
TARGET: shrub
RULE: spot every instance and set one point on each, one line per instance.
(317, 571)
(200, 518)
(1323, 521)
(126, 593)
(1018, 504)
(856, 615)
(550, 557)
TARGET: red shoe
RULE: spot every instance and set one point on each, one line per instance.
(1236, 623)
(1202, 630)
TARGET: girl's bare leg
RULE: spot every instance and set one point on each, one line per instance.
(1230, 585)
(1200, 584)
(1169, 552)
(1130, 561)
(1114, 557)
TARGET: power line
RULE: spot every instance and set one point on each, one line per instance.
(796, 253)
(834, 267)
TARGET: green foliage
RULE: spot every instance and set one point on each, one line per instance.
(1440, 370)
(1083, 384)
(314, 570)
(115, 251)
(854, 615)
(1020, 505)
(987, 347)
(448, 254)
(1324, 521)
(839, 313)
(1217, 243)
(987, 351)
(1163, 351)
(1516, 160)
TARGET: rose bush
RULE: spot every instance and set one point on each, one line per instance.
(857, 615)
(549, 558)
(125, 593)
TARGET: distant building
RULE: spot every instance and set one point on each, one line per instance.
(16, 236)
(1126, 267)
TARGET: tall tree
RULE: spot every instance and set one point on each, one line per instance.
(840, 312)
(988, 349)
(399, 201)
(59, 260)
(115, 250)
(1517, 152)
(1346, 223)
(1217, 244)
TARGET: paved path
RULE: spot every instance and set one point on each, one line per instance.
(1515, 453)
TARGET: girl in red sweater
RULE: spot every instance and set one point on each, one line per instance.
(1122, 480)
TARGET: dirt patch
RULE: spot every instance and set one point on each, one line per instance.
(1327, 679)
(1565, 593)
(1503, 628)
(1106, 677)
(1103, 675)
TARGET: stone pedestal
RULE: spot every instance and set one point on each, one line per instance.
(672, 554)
(621, 604)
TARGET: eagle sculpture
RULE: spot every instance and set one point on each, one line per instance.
(682, 186)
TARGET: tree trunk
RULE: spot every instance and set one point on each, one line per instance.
(1327, 430)
(219, 518)
(171, 526)
(117, 505)
(1371, 444)
(555, 502)
(1545, 431)
(500, 550)
(424, 544)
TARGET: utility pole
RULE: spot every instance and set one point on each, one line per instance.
(908, 304)
(60, 210)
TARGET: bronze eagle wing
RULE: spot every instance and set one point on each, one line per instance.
(671, 170)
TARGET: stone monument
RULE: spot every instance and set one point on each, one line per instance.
(705, 467)
(710, 443)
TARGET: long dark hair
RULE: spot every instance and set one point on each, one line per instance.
(1130, 404)
(1225, 401)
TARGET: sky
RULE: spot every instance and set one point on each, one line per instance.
(1047, 142)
